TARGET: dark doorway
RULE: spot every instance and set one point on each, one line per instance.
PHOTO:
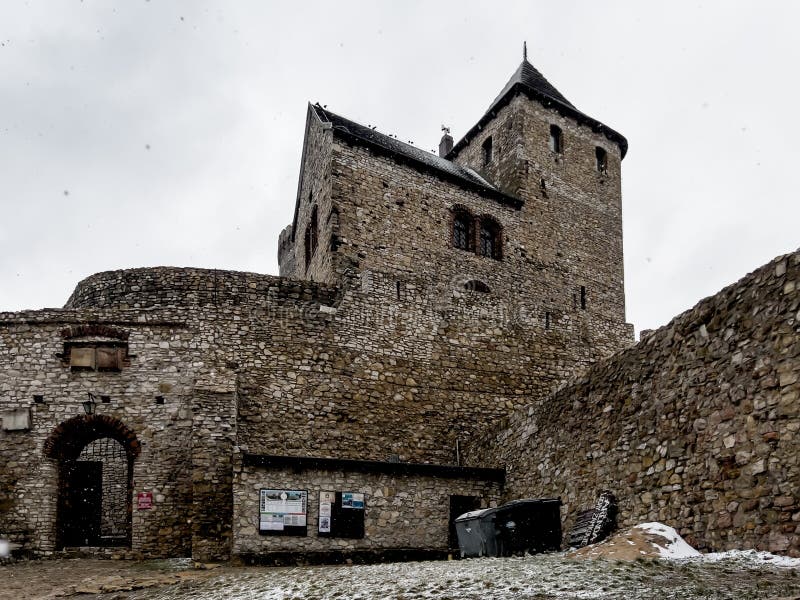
(94, 507)
(458, 506)
(80, 497)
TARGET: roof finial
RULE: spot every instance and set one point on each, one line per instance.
(525, 50)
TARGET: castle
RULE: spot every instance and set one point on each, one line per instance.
(447, 332)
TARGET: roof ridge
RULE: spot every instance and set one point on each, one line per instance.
(397, 148)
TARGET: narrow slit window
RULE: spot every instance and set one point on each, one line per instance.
(556, 139)
(547, 320)
(487, 151)
(583, 297)
(311, 238)
(602, 160)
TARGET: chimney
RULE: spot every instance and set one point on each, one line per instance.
(447, 142)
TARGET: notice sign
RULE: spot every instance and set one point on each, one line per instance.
(144, 500)
(352, 500)
(283, 511)
(326, 500)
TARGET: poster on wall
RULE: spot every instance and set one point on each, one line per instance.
(343, 516)
(325, 524)
(352, 500)
(326, 501)
(282, 512)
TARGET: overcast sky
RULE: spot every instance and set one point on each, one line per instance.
(143, 133)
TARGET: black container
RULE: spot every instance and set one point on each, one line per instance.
(515, 528)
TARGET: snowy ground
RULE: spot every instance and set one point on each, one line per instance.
(738, 575)
(648, 561)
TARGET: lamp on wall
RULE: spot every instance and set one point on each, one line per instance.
(88, 405)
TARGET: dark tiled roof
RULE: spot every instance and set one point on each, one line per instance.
(529, 81)
(463, 176)
(527, 75)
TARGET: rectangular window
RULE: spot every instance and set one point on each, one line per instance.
(556, 139)
(487, 151)
(99, 357)
(82, 358)
(602, 160)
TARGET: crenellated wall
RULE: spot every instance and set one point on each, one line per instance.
(696, 426)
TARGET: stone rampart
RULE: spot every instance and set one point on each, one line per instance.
(182, 287)
(696, 426)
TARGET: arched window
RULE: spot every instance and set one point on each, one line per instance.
(476, 285)
(490, 239)
(463, 230)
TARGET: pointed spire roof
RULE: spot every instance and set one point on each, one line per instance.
(528, 76)
(529, 81)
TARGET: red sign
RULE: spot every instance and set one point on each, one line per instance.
(144, 500)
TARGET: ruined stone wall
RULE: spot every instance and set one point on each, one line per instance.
(696, 426)
(402, 511)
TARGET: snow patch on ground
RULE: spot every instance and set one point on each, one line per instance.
(753, 558)
(676, 546)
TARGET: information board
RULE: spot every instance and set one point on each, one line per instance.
(283, 512)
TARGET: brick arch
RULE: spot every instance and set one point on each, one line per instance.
(94, 330)
(67, 440)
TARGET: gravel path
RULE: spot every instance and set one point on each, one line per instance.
(541, 577)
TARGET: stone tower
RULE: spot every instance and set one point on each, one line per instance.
(525, 207)
(534, 144)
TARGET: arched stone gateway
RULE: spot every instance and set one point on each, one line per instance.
(95, 455)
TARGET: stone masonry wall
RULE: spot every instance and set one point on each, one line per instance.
(382, 213)
(362, 371)
(696, 426)
(213, 444)
(30, 364)
(574, 221)
(401, 511)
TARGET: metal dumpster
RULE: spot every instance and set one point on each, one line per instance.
(520, 526)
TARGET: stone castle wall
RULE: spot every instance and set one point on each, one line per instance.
(30, 345)
(696, 426)
(361, 371)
